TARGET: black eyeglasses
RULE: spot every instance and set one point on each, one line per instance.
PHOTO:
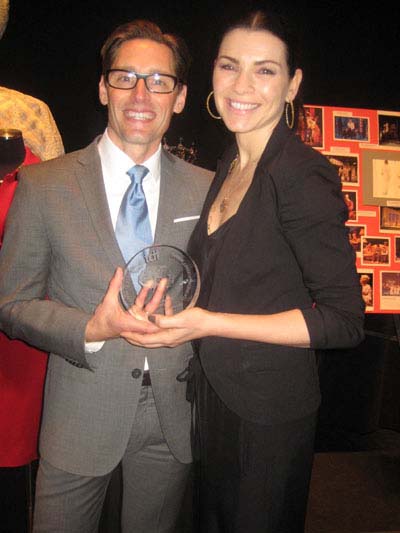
(127, 79)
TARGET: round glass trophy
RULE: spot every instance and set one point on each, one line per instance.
(161, 262)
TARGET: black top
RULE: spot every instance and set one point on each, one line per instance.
(287, 247)
(209, 251)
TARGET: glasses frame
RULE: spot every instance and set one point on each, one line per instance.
(143, 77)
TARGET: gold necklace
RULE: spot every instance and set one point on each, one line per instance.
(225, 200)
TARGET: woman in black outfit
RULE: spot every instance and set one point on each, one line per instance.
(278, 281)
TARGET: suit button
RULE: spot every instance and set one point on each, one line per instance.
(136, 373)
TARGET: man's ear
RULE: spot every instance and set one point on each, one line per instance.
(180, 99)
(103, 96)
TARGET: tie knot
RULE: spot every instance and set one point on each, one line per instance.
(137, 173)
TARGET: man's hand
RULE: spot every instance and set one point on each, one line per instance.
(110, 319)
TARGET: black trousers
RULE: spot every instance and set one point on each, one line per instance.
(249, 477)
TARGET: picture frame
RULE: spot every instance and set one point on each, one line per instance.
(375, 251)
(389, 290)
(311, 126)
(346, 166)
(366, 278)
(356, 233)
(381, 177)
(389, 219)
(350, 198)
(397, 249)
(389, 129)
(348, 127)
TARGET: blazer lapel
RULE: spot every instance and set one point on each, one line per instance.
(238, 235)
(167, 207)
(90, 178)
(228, 256)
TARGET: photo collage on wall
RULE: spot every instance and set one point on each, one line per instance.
(364, 146)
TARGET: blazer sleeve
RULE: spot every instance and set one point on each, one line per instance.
(26, 312)
(313, 213)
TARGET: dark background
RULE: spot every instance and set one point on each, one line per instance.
(351, 57)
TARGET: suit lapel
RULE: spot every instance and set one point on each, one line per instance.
(228, 256)
(90, 178)
(169, 191)
(237, 237)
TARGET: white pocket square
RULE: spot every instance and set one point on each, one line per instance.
(185, 219)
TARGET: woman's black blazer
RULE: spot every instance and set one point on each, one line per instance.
(287, 248)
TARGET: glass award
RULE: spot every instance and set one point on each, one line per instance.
(148, 267)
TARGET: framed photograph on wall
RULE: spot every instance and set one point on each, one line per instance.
(389, 128)
(389, 219)
(375, 251)
(390, 290)
(346, 166)
(311, 126)
(350, 128)
(367, 288)
(397, 249)
(381, 177)
(350, 199)
(356, 233)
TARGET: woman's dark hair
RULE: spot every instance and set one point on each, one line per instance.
(275, 24)
(144, 29)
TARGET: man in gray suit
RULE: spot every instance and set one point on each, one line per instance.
(106, 401)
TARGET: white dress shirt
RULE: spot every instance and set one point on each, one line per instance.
(115, 164)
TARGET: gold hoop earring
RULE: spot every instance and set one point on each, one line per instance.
(290, 123)
(208, 107)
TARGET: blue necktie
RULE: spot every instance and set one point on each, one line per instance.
(133, 229)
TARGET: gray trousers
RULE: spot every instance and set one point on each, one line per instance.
(154, 483)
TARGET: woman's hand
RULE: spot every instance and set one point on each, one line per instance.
(173, 329)
(287, 328)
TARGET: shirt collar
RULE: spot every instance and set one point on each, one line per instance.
(116, 160)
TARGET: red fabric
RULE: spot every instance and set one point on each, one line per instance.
(22, 373)
(8, 187)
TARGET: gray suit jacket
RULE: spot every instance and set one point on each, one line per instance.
(58, 256)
